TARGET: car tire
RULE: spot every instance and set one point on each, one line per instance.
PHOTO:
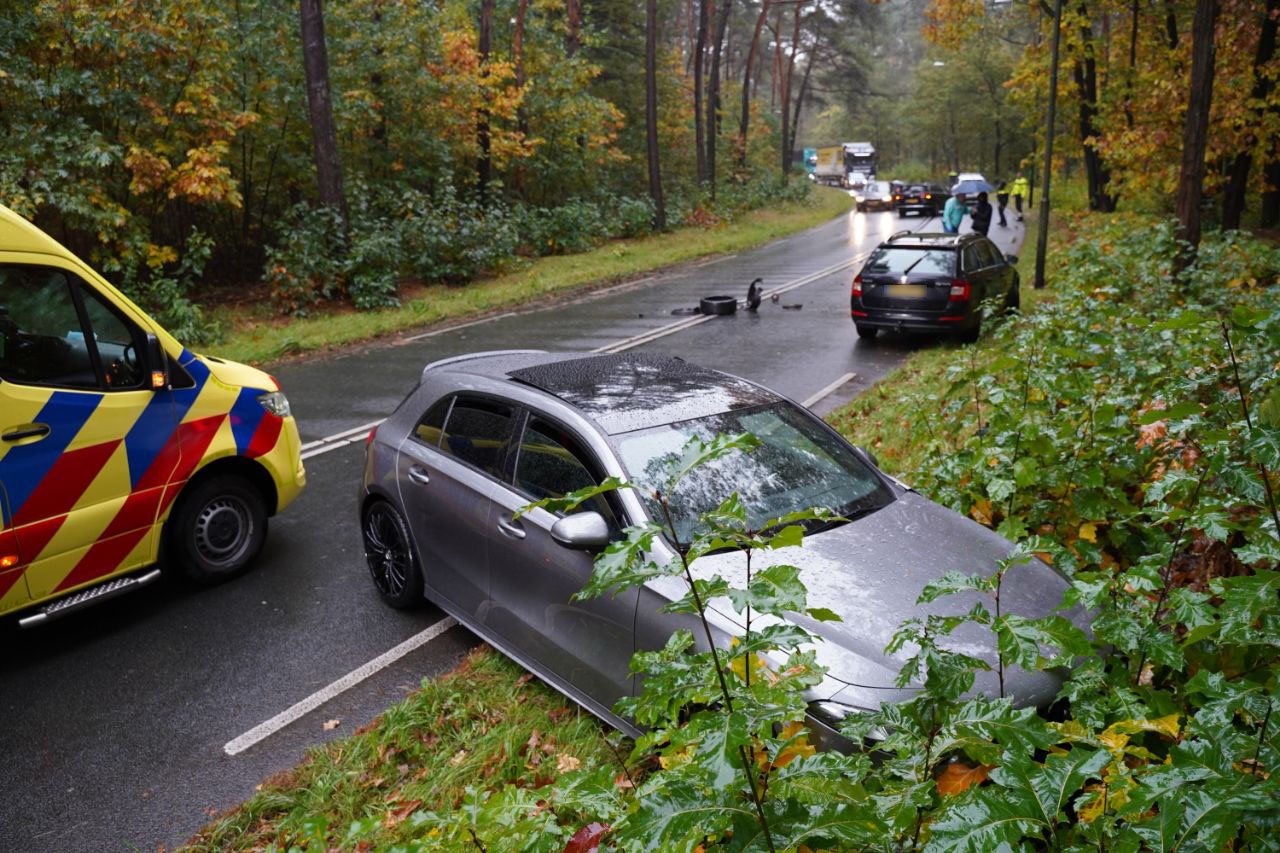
(217, 529)
(1013, 302)
(718, 305)
(972, 334)
(866, 332)
(389, 553)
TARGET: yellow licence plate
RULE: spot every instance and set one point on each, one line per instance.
(906, 291)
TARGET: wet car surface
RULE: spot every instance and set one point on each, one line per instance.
(448, 475)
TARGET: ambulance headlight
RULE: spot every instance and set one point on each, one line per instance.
(276, 403)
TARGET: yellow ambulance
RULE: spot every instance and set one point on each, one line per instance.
(120, 448)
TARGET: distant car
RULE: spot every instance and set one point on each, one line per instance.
(931, 282)
(856, 180)
(969, 176)
(483, 435)
(925, 199)
(875, 195)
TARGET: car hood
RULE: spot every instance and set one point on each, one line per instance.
(871, 572)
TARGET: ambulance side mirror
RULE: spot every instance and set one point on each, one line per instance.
(157, 364)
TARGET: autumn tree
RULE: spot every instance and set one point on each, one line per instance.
(324, 133)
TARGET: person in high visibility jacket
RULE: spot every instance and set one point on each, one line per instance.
(1020, 191)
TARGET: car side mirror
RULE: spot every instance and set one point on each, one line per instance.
(157, 364)
(869, 456)
(1011, 259)
(582, 531)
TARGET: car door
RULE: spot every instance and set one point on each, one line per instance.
(81, 431)
(449, 468)
(588, 644)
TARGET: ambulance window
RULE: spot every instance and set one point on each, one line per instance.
(117, 343)
(42, 341)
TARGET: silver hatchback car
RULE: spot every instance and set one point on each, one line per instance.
(484, 435)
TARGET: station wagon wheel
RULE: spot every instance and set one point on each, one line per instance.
(217, 529)
(389, 553)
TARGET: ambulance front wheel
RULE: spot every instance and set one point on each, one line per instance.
(217, 529)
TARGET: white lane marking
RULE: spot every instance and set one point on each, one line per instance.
(829, 389)
(681, 325)
(338, 439)
(351, 679)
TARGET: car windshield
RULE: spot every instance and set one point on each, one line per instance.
(900, 259)
(798, 465)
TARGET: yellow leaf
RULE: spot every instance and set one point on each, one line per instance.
(981, 511)
(957, 777)
(567, 763)
(798, 748)
(1089, 532)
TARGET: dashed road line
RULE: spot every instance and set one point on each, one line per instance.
(829, 389)
(265, 730)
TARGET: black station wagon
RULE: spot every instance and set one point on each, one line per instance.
(931, 282)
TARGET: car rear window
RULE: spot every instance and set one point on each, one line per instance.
(901, 259)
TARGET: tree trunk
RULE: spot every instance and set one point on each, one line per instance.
(1271, 195)
(1170, 24)
(713, 93)
(1195, 130)
(651, 112)
(745, 121)
(573, 27)
(324, 134)
(785, 82)
(1086, 76)
(699, 54)
(1237, 184)
(484, 164)
(804, 89)
(517, 59)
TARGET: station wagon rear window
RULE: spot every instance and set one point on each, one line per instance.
(901, 260)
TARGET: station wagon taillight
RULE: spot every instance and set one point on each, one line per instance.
(857, 286)
(959, 290)
(368, 439)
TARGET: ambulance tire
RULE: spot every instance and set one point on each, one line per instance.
(217, 529)
(392, 559)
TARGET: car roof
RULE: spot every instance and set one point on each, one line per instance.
(620, 392)
(929, 239)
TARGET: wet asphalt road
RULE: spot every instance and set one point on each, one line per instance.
(113, 722)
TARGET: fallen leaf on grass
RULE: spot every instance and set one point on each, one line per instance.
(567, 763)
(458, 757)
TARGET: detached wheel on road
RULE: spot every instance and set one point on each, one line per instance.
(718, 305)
(389, 553)
(217, 529)
(866, 332)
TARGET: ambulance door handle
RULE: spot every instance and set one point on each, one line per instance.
(36, 431)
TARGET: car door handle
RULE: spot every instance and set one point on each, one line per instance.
(419, 474)
(511, 528)
(26, 431)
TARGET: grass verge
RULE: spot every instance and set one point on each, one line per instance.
(485, 724)
(259, 338)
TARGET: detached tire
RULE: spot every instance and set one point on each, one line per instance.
(718, 305)
(388, 550)
(217, 529)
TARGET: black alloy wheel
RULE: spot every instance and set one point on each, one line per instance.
(389, 553)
